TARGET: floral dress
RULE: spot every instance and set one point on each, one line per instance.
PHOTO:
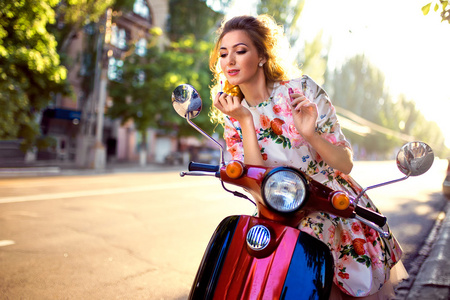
(362, 257)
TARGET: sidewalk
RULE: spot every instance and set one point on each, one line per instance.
(430, 275)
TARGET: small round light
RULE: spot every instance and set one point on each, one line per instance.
(284, 190)
(234, 169)
(340, 200)
(258, 237)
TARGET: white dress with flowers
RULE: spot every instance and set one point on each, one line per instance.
(362, 257)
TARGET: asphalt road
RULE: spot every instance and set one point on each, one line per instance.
(142, 235)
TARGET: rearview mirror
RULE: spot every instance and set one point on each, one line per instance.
(186, 101)
(415, 158)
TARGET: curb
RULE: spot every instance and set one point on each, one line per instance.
(433, 278)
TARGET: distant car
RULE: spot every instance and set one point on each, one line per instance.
(174, 158)
(208, 156)
(446, 184)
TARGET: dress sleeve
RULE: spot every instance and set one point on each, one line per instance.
(233, 138)
(327, 123)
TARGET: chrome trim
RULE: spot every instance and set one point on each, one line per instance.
(258, 237)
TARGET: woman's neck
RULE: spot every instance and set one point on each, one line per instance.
(256, 92)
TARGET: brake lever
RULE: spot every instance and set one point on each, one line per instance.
(199, 173)
(374, 226)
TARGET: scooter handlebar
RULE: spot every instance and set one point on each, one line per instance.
(194, 166)
(371, 215)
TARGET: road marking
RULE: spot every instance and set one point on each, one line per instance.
(109, 191)
(4, 243)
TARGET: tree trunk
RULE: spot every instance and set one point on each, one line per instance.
(143, 149)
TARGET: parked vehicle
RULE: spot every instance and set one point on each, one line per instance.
(446, 183)
(267, 256)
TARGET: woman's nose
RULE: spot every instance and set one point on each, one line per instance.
(232, 59)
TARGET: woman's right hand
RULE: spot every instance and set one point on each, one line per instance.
(231, 106)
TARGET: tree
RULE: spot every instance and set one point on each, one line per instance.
(73, 15)
(191, 17)
(30, 70)
(143, 93)
(285, 12)
(358, 86)
(438, 5)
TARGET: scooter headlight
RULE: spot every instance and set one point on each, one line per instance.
(284, 190)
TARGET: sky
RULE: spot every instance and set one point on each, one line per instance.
(412, 50)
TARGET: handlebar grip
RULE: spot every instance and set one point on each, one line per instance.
(194, 166)
(371, 215)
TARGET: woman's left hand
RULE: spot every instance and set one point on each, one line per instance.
(304, 113)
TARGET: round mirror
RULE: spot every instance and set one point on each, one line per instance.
(415, 158)
(186, 101)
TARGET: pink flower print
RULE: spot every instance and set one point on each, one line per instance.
(331, 138)
(358, 245)
(331, 231)
(374, 254)
(343, 275)
(264, 121)
(233, 120)
(231, 137)
(276, 125)
(345, 259)
(345, 237)
(290, 131)
(356, 228)
(371, 234)
(235, 153)
(277, 109)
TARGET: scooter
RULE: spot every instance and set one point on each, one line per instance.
(266, 256)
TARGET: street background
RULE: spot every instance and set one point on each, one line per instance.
(141, 235)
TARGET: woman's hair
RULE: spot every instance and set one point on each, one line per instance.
(270, 42)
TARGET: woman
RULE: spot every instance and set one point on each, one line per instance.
(271, 119)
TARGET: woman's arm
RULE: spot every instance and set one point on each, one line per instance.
(305, 114)
(232, 107)
(336, 156)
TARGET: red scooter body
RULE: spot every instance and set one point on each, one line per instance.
(293, 266)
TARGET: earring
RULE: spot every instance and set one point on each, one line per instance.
(260, 64)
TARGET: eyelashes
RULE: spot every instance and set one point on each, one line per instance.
(240, 52)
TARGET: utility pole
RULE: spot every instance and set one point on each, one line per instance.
(99, 152)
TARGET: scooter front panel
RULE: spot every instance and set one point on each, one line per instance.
(210, 268)
(247, 274)
(311, 271)
(293, 266)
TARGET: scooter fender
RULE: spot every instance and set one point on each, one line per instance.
(293, 264)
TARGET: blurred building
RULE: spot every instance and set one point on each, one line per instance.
(73, 122)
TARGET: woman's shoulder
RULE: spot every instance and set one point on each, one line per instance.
(302, 82)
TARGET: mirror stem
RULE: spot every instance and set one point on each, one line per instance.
(377, 186)
(222, 159)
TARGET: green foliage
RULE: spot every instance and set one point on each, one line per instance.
(286, 12)
(72, 15)
(359, 87)
(314, 64)
(191, 17)
(148, 102)
(30, 71)
(440, 6)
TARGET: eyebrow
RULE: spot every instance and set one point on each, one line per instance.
(234, 46)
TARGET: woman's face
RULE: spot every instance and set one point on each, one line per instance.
(239, 58)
